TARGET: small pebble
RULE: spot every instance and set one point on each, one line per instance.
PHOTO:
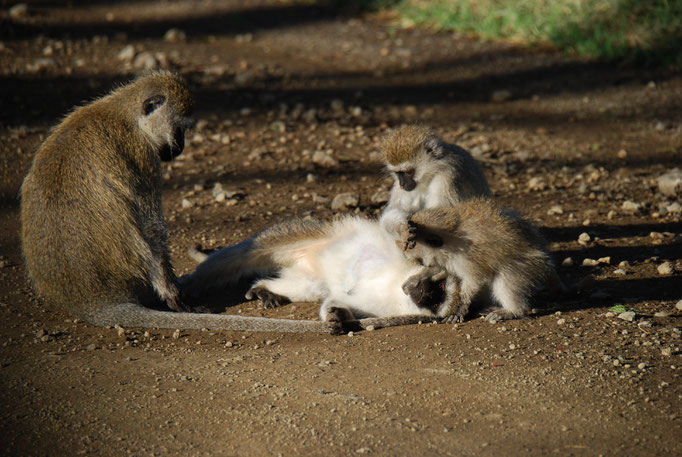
(665, 269)
(678, 305)
(630, 207)
(590, 263)
(584, 238)
(627, 316)
(567, 262)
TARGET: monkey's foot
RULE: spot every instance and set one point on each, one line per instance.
(502, 315)
(269, 299)
(452, 319)
(409, 236)
(335, 319)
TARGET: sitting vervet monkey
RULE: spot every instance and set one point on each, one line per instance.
(351, 265)
(427, 173)
(93, 235)
(487, 251)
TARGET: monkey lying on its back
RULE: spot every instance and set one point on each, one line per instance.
(93, 235)
(483, 248)
(352, 265)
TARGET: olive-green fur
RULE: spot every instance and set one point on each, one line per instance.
(91, 203)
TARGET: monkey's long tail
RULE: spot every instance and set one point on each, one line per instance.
(132, 315)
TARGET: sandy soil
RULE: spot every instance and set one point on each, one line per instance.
(274, 83)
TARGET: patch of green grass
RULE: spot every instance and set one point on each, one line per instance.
(621, 309)
(634, 31)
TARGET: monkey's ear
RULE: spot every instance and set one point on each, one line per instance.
(434, 148)
(153, 103)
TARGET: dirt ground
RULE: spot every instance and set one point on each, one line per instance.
(576, 145)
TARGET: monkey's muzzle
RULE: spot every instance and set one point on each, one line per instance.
(170, 151)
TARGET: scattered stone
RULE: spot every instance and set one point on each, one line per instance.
(584, 238)
(555, 210)
(627, 316)
(641, 366)
(336, 104)
(665, 269)
(127, 54)
(620, 272)
(175, 36)
(670, 183)
(41, 64)
(610, 215)
(187, 203)
(666, 352)
(324, 159)
(244, 77)
(678, 305)
(500, 96)
(561, 321)
(674, 208)
(344, 201)
(536, 183)
(176, 334)
(91, 347)
(630, 207)
(661, 314)
(146, 61)
(310, 178)
(567, 262)
(590, 263)
(622, 154)
(606, 260)
(380, 197)
(624, 264)
(19, 11)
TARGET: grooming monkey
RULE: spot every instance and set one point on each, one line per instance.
(351, 265)
(486, 250)
(427, 173)
(94, 238)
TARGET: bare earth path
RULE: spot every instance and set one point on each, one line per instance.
(566, 141)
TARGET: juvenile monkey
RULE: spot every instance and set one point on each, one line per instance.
(351, 265)
(487, 250)
(94, 238)
(427, 173)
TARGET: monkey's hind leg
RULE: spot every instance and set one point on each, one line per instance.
(510, 292)
(269, 299)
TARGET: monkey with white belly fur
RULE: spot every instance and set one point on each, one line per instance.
(351, 265)
(488, 251)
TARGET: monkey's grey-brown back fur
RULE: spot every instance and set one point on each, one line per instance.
(92, 228)
(483, 245)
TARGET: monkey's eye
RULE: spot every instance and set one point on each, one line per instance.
(409, 174)
(153, 103)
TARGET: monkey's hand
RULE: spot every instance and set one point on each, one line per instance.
(407, 236)
(269, 299)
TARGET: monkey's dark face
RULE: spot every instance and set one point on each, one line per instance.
(406, 179)
(164, 121)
